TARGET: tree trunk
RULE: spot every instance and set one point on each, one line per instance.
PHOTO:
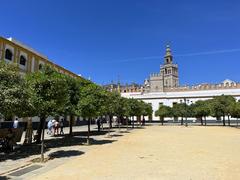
(109, 123)
(201, 120)
(71, 125)
(42, 144)
(205, 118)
(132, 121)
(224, 124)
(119, 120)
(182, 121)
(162, 119)
(102, 123)
(229, 123)
(88, 134)
(39, 130)
(127, 123)
(29, 131)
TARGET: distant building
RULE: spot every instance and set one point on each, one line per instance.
(163, 88)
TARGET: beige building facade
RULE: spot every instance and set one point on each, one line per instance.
(27, 59)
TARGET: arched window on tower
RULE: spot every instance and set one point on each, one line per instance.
(22, 60)
(8, 55)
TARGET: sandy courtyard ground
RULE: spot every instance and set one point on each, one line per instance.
(156, 152)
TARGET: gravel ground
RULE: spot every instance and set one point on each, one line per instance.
(156, 152)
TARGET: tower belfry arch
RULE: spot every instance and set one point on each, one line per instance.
(168, 75)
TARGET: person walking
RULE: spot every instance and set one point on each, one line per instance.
(61, 127)
(50, 126)
(15, 123)
(56, 127)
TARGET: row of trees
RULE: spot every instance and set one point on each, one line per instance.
(48, 93)
(219, 107)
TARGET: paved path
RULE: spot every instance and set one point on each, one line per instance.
(169, 152)
(55, 143)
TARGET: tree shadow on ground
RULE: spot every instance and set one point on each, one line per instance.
(35, 149)
(63, 154)
(126, 131)
(92, 133)
(21, 152)
(64, 141)
(116, 135)
(4, 178)
(100, 142)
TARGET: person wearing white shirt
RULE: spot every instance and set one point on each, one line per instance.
(15, 123)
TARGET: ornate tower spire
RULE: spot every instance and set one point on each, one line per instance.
(168, 50)
(168, 56)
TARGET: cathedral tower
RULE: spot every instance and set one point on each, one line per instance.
(169, 70)
(168, 76)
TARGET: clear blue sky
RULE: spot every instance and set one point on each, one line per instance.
(125, 39)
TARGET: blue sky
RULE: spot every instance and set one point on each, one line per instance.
(125, 39)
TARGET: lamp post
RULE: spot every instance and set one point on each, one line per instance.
(186, 101)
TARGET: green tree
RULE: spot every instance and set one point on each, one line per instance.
(221, 106)
(122, 110)
(179, 110)
(14, 98)
(202, 109)
(163, 111)
(135, 109)
(73, 90)
(89, 105)
(49, 95)
(235, 111)
(146, 110)
(112, 106)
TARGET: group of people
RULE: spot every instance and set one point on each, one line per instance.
(53, 127)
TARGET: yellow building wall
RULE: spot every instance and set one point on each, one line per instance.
(30, 55)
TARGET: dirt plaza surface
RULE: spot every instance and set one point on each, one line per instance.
(159, 152)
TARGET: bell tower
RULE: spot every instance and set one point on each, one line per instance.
(168, 76)
(169, 70)
(168, 58)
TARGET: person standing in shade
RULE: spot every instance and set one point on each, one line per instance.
(99, 124)
(143, 121)
(61, 127)
(15, 123)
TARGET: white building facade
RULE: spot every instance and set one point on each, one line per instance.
(163, 88)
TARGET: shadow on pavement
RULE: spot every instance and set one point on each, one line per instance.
(63, 141)
(117, 135)
(4, 178)
(62, 154)
(100, 142)
(92, 133)
(35, 149)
